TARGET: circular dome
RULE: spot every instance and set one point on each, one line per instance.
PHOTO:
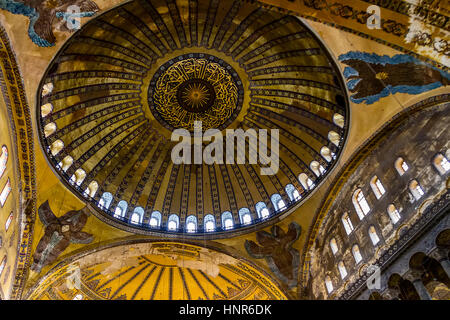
(119, 88)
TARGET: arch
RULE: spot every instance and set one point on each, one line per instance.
(3, 160)
(5, 192)
(347, 222)
(339, 120)
(78, 177)
(137, 215)
(56, 147)
(277, 202)
(416, 189)
(227, 220)
(326, 153)
(328, 284)
(49, 129)
(245, 216)
(334, 137)
(46, 109)
(373, 235)
(191, 224)
(155, 219)
(342, 270)
(317, 168)
(9, 220)
(334, 246)
(209, 223)
(65, 163)
(393, 213)
(377, 187)
(47, 89)
(173, 222)
(105, 200)
(356, 254)
(121, 209)
(92, 188)
(360, 203)
(306, 182)
(292, 192)
(401, 166)
(441, 163)
(262, 210)
(78, 297)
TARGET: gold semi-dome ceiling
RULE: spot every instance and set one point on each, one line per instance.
(120, 85)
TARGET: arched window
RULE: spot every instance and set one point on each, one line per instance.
(5, 193)
(292, 192)
(209, 223)
(49, 129)
(155, 219)
(9, 220)
(262, 210)
(47, 89)
(244, 216)
(227, 220)
(334, 137)
(393, 213)
(401, 166)
(91, 189)
(3, 160)
(121, 209)
(191, 224)
(2, 265)
(317, 168)
(78, 177)
(342, 270)
(377, 187)
(56, 147)
(328, 284)
(173, 222)
(441, 163)
(105, 200)
(278, 202)
(326, 153)
(416, 189)
(333, 246)
(137, 215)
(306, 182)
(338, 120)
(65, 163)
(78, 297)
(360, 203)
(373, 235)
(46, 109)
(356, 254)
(348, 226)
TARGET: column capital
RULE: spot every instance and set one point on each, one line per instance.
(391, 293)
(439, 254)
(413, 275)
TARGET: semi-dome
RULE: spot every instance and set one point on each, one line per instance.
(120, 86)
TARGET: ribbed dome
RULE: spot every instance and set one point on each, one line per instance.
(119, 87)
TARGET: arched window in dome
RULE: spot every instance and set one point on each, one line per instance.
(5, 193)
(416, 189)
(2, 265)
(262, 210)
(49, 129)
(377, 187)
(328, 284)
(360, 203)
(121, 209)
(342, 270)
(278, 202)
(91, 190)
(333, 246)
(3, 160)
(326, 153)
(306, 182)
(227, 220)
(78, 177)
(292, 192)
(191, 224)
(338, 120)
(441, 163)
(373, 235)
(334, 138)
(401, 166)
(78, 297)
(56, 147)
(356, 253)
(393, 213)
(155, 219)
(173, 222)
(209, 223)
(9, 220)
(317, 168)
(47, 89)
(137, 215)
(244, 216)
(105, 200)
(65, 163)
(46, 109)
(348, 226)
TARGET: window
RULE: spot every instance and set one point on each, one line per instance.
(9, 220)
(393, 213)
(306, 182)
(155, 219)
(46, 109)
(317, 168)
(334, 137)
(360, 203)
(292, 192)
(326, 153)
(5, 192)
(2, 265)
(210, 223)
(227, 220)
(262, 210)
(401, 166)
(49, 129)
(121, 209)
(338, 120)
(328, 284)
(138, 214)
(47, 89)
(91, 189)
(342, 270)
(78, 177)
(105, 200)
(356, 254)
(56, 147)
(78, 297)
(173, 222)
(416, 189)
(333, 245)
(377, 187)
(65, 163)
(191, 224)
(245, 216)
(278, 202)
(373, 235)
(3, 160)
(348, 226)
(441, 163)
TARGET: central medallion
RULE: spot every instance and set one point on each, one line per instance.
(195, 87)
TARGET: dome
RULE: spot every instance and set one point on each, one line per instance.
(119, 88)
